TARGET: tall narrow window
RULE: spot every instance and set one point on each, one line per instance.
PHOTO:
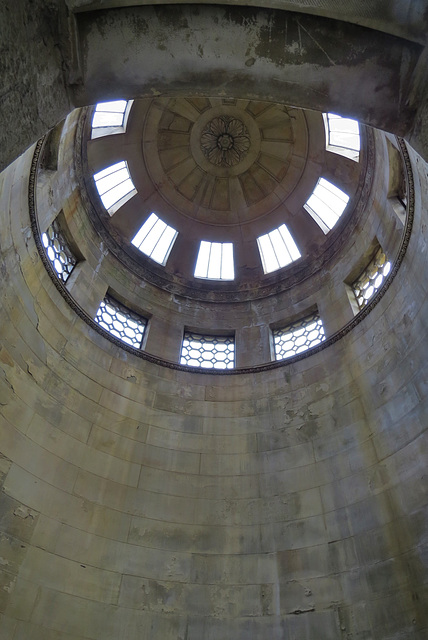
(121, 322)
(215, 261)
(342, 136)
(208, 352)
(371, 279)
(110, 117)
(326, 204)
(114, 186)
(298, 336)
(58, 251)
(155, 239)
(277, 249)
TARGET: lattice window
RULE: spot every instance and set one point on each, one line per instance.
(298, 336)
(121, 322)
(59, 253)
(371, 279)
(209, 352)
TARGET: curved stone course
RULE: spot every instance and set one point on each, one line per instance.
(145, 501)
(139, 497)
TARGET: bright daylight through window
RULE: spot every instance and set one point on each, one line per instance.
(155, 239)
(109, 114)
(371, 279)
(208, 352)
(58, 251)
(298, 336)
(342, 136)
(215, 261)
(277, 249)
(114, 186)
(110, 118)
(121, 322)
(326, 204)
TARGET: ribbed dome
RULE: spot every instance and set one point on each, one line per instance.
(225, 171)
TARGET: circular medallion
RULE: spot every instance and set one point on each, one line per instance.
(225, 141)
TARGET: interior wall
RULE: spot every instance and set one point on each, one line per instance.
(139, 501)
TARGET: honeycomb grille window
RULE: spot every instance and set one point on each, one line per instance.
(121, 322)
(371, 279)
(298, 336)
(209, 352)
(59, 253)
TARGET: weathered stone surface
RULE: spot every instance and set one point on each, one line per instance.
(139, 501)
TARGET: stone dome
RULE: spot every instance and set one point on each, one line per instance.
(235, 198)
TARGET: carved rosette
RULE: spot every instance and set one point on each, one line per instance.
(225, 141)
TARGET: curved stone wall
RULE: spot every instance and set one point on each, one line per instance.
(139, 501)
(290, 294)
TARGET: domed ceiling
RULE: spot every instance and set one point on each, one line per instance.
(224, 164)
(223, 171)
